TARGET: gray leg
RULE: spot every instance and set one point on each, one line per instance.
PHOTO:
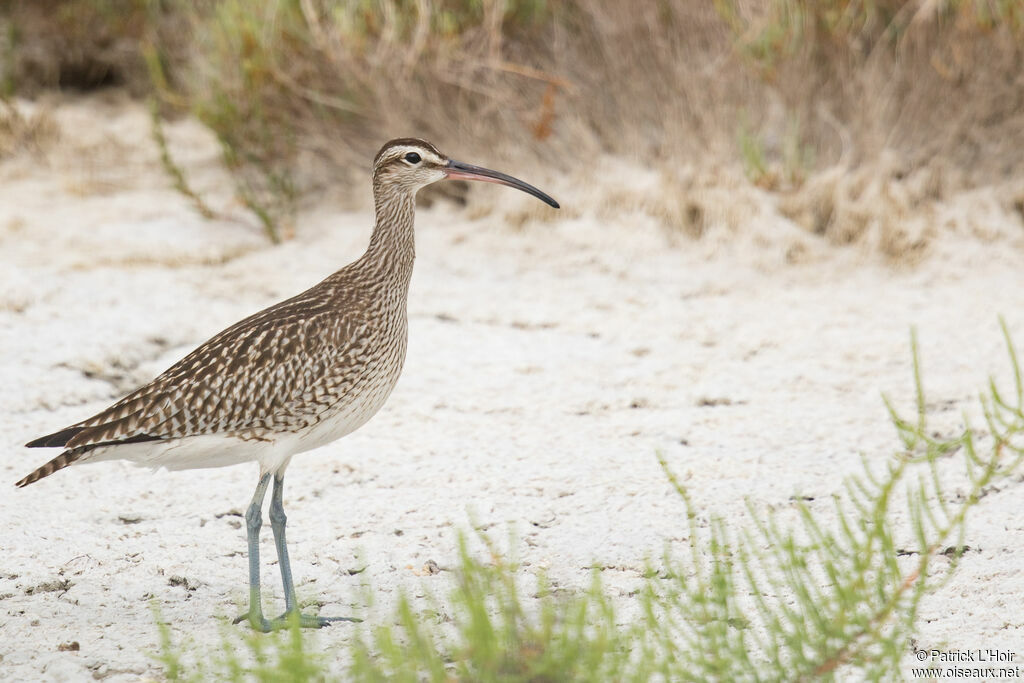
(253, 522)
(277, 523)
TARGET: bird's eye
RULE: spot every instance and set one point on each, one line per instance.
(412, 158)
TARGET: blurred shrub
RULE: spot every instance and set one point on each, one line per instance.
(658, 80)
(857, 27)
(913, 76)
(300, 92)
(73, 44)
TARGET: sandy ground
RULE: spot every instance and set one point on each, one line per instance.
(551, 357)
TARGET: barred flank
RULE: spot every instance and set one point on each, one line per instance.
(60, 462)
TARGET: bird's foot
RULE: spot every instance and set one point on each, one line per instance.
(287, 620)
(256, 620)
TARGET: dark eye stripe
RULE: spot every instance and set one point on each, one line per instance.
(413, 158)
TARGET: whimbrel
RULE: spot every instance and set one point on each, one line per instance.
(288, 379)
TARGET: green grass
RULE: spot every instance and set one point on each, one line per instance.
(498, 633)
(824, 596)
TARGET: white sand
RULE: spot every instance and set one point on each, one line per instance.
(548, 364)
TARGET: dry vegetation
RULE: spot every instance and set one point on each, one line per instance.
(855, 112)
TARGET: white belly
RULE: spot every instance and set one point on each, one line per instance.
(345, 419)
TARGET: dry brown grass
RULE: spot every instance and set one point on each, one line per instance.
(72, 44)
(25, 132)
(853, 111)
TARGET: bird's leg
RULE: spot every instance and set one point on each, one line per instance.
(277, 523)
(253, 522)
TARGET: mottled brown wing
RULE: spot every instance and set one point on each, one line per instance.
(275, 369)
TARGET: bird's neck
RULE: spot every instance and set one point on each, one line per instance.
(393, 244)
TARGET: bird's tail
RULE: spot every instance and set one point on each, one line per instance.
(66, 458)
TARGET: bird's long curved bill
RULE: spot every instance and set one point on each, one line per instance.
(459, 170)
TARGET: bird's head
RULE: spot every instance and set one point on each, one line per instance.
(411, 163)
